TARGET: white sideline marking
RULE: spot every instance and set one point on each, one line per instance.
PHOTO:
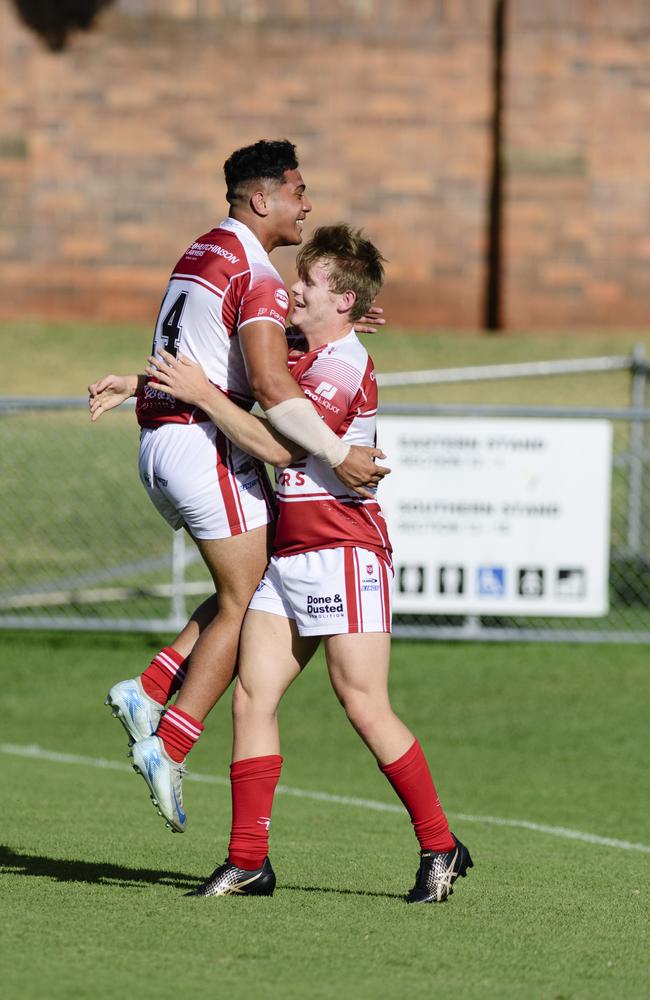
(39, 753)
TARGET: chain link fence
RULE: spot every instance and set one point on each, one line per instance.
(83, 548)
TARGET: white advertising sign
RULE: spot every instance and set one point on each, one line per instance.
(498, 516)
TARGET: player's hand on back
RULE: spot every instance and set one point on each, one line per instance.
(370, 323)
(179, 377)
(359, 472)
(109, 392)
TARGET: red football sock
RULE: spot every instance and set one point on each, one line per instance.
(252, 782)
(411, 778)
(164, 675)
(179, 732)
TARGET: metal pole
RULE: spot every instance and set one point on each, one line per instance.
(493, 310)
(635, 479)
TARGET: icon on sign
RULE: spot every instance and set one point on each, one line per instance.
(451, 580)
(491, 581)
(571, 583)
(410, 580)
(530, 582)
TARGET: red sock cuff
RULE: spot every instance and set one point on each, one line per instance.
(186, 717)
(174, 655)
(164, 675)
(255, 767)
(397, 766)
(179, 732)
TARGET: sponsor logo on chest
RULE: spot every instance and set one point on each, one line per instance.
(323, 395)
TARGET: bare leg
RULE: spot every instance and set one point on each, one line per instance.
(271, 657)
(272, 654)
(358, 667)
(237, 565)
(201, 618)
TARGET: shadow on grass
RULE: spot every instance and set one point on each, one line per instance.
(93, 873)
(98, 873)
(341, 892)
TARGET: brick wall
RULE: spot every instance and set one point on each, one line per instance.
(577, 150)
(111, 153)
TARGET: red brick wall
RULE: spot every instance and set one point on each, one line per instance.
(111, 153)
(577, 150)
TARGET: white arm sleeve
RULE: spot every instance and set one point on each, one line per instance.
(298, 420)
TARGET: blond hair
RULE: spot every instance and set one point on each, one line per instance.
(352, 263)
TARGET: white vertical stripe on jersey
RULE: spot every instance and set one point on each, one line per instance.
(382, 534)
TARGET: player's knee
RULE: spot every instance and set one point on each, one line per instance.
(229, 616)
(247, 704)
(360, 709)
(234, 605)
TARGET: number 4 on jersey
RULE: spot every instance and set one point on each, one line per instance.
(170, 327)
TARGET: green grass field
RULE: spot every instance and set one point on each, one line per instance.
(53, 359)
(555, 737)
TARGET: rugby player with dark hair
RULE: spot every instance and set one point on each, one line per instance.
(267, 158)
(224, 308)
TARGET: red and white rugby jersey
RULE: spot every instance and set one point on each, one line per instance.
(315, 510)
(223, 281)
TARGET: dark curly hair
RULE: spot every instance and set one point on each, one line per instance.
(352, 263)
(267, 159)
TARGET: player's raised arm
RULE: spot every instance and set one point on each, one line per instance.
(184, 380)
(111, 391)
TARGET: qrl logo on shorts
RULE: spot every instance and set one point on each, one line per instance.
(281, 298)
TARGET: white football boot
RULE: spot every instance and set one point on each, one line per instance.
(164, 778)
(138, 713)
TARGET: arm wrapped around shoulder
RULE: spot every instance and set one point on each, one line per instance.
(297, 419)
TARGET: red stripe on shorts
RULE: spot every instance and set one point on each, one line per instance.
(228, 485)
(349, 572)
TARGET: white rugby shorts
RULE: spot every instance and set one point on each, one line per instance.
(328, 591)
(195, 476)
